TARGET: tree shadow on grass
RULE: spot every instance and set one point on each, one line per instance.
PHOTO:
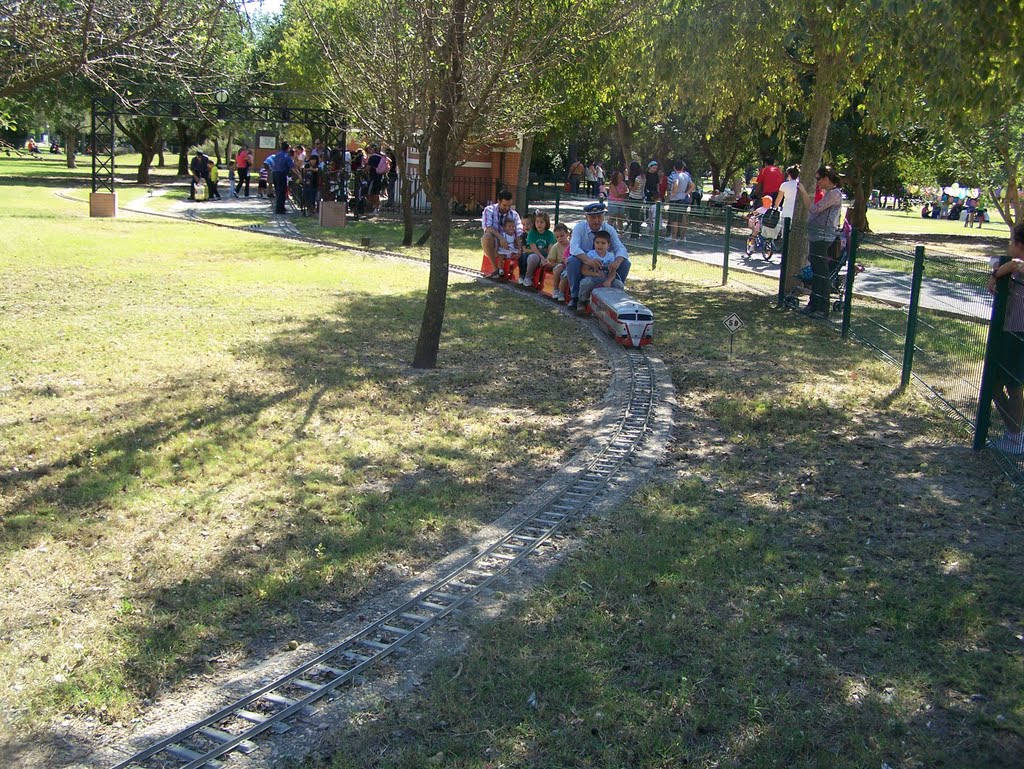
(705, 628)
(327, 529)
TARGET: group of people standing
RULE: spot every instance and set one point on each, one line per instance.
(631, 197)
(591, 174)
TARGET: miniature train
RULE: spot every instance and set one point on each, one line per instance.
(630, 323)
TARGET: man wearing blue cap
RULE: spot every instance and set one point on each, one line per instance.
(582, 242)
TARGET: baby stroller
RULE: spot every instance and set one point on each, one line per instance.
(836, 274)
(765, 233)
(360, 203)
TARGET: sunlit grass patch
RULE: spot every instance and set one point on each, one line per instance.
(211, 441)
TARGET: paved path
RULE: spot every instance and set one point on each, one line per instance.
(891, 286)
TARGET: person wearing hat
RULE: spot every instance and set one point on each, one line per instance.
(582, 242)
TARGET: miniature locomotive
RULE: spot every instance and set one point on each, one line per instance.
(630, 323)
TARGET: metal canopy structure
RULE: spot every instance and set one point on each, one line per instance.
(106, 110)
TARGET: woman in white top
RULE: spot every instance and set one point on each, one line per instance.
(786, 196)
(590, 178)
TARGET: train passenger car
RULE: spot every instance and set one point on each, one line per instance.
(630, 323)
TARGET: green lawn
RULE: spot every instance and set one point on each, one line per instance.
(210, 442)
(821, 575)
(888, 222)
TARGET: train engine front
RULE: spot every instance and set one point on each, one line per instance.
(630, 323)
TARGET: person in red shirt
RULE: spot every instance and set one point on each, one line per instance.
(243, 163)
(770, 178)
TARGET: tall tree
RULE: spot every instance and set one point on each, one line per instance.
(469, 62)
(863, 149)
(970, 74)
(103, 40)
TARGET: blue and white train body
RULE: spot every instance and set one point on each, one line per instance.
(630, 323)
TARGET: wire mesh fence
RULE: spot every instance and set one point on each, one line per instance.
(930, 313)
(881, 323)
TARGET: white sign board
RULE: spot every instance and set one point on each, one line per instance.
(733, 323)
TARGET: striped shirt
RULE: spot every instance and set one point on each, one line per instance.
(493, 217)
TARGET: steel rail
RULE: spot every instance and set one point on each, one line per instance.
(396, 628)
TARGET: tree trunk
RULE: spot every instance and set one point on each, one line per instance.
(523, 188)
(160, 152)
(814, 149)
(71, 146)
(145, 135)
(216, 151)
(437, 286)
(624, 132)
(713, 164)
(405, 185)
(441, 172)
(861, 181)
(183, 148)
(1011, 206)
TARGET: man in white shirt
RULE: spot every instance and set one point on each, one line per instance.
(680, 188)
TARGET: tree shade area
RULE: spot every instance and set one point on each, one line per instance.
(203, 428)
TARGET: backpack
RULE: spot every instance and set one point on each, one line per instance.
(384, 166)
(770, 218)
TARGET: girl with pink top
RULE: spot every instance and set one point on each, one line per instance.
(617, 192)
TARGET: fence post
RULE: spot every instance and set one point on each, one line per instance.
(558, 200)
(851, 271)
(915, 301)
(784, 267)
(993, 354)
(728, 235)
(657, 230)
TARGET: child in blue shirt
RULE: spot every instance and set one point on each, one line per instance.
(594, 277)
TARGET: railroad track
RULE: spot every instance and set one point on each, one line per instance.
(240, 724)
(274, 707)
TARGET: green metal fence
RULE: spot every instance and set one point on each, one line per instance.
(930, 314)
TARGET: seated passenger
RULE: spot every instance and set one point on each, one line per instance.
(582, 243)
(509, 247)
(539, 241)
(558, 255)
(600, 271)
(493, 222)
